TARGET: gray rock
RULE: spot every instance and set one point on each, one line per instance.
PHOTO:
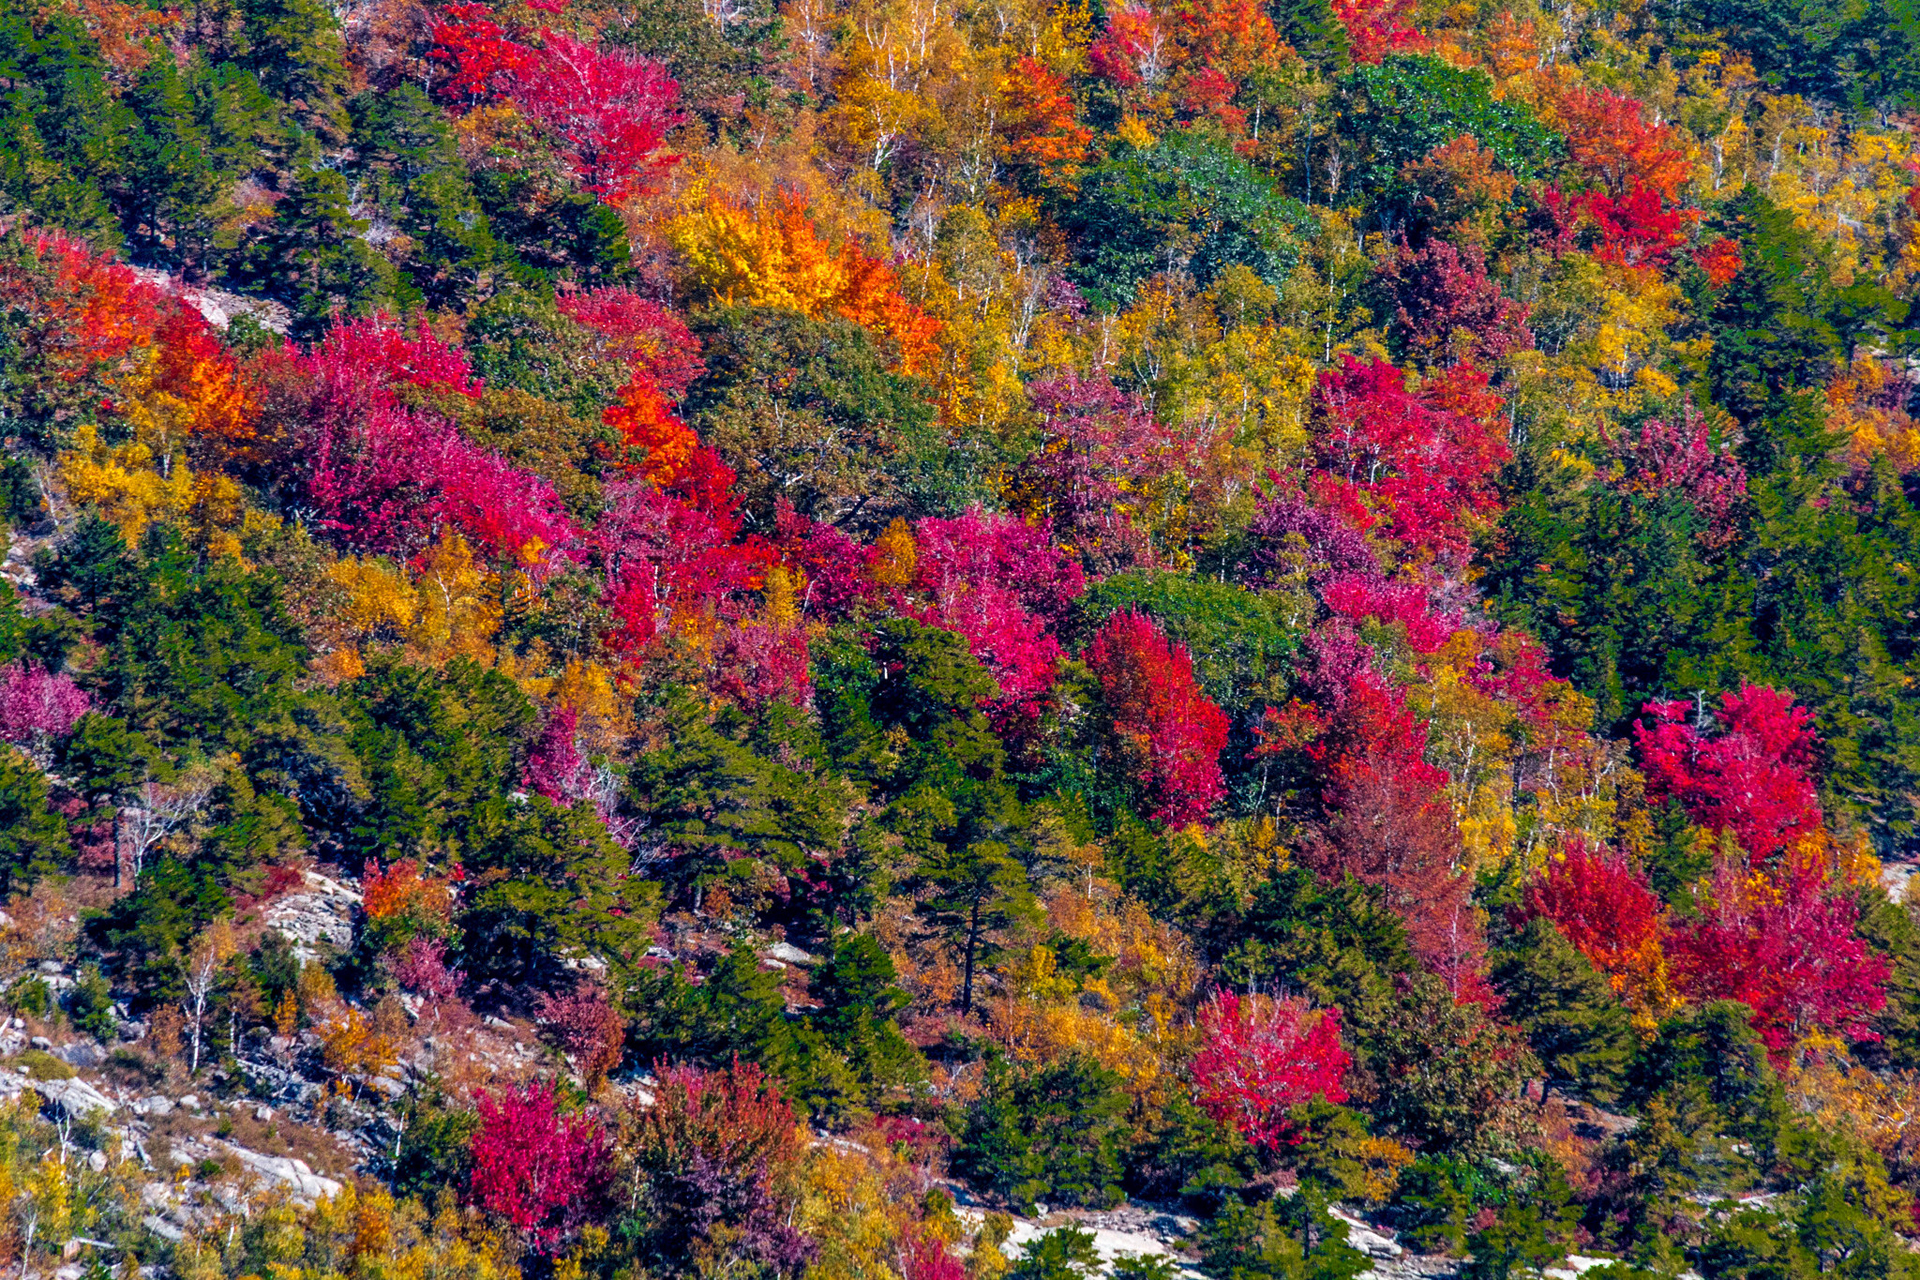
(787, 953)
(75, 1097)
(306, 1185)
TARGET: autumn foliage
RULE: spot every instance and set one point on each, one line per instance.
(1260, 1057)
(1171, 731)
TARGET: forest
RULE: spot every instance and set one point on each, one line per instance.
(959, 639)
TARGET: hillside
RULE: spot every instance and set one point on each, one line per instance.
(1263, 640)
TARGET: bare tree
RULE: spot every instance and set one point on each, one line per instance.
(210, 951)
(158, 810)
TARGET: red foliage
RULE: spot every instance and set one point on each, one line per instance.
(1135, 51)
(1785, 947)
(1450, 309)
(667, 562)
(1172, 729)
(37, 706)
(1720, 259)
(837, 569)
(1754, 779)
(555, 767)
(1358, 596)
(1376, 28)
(1636, 229)
(1040, 130)
(584, 1023)
(925, 1257)
(1101, 449)
(1680, 456)
(1427, 461)
(608, 112)
(1261, 1058)
(482, 63)
(717, 1151)
(540, 1170)
(386, 474)
(1610, 141)
(757, 662)
(1602, 903)
(1002, 584)
(643, 334)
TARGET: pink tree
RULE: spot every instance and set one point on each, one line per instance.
(1002, 584)
(37, 706)
(1425, 462)
(1754, 778)
(542, 1171)
(609, 112)
(1161, 717)
(1102, 449)
(1259, 1058)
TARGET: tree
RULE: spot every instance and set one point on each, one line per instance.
(33, 839)
(541, 1170)
(709, 1172)
(1261, 1060)
(1047, 1131)
(37, 706)
(980, 890)
(1786, 947)
(609, 112)
(1571, 1017)
(1169, 732)
(1754, 780)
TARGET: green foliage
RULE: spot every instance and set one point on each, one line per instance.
(33, 839)
(1060, 1254)
(1046, 1132)
(808, 411)
(1296, 1239)
(1183, 203)
(90, 1004)
(1404, 107)
(1531, 1233)
(1567, 1009)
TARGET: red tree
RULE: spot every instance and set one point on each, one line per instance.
(37, 706)
(1002, 584)
(1754, 778)
(1785, 947)
(1427, 461)
(1449, 307)
(542, 1171)
(584, 1023)
(1376, 28)
(1101, 450)
(1681, 456)
(608, 112)
(1610, 140)
(1260, 1058)
(1603, 904)
(1161, 717)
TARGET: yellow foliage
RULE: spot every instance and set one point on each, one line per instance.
(895, 556)
(459, 604)
(124, 482)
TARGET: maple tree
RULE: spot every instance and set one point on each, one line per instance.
(1786, 947)
(538, 1168)
(1753, 779)
(1261, 1057)
(607, 111)
(1002, 584)
(1172, 732)
(37, 706)
(1426, 460)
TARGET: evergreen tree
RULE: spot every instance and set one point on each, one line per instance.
(1569, 1014)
